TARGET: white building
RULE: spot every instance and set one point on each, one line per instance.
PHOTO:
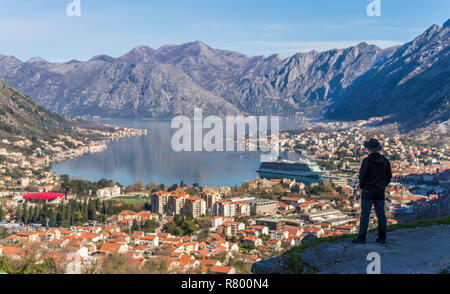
(216, 222)
(108, 192)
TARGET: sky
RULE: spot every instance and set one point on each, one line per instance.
(254, 27)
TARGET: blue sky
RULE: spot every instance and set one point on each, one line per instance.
(254, 27)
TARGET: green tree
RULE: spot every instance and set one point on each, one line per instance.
(91, 211)
(25, 213)
(2, 213)
(65, 180)
(135, 226)
(35, 215)
(172, 188)
(172, 228)
(277, 189)
(189, 227)
(103, 207)
(52, 219)
(150, 226)
(151, 185)
(18, 214)
(136, 187)
(29, 264)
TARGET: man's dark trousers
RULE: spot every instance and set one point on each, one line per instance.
(377, 199)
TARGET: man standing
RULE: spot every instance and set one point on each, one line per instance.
(374, 176)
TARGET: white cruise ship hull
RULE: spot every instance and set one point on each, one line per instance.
(289, 173)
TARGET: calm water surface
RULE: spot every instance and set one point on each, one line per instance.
(151, 158)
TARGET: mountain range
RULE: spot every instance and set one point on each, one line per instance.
(409, 82)
(413, 84)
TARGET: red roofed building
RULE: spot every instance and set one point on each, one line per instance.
(11, 251)
(114, 248)
(150, 240)
(347, 190)
(127, 214)
(222, 270)
(44, 196)
(255, 241)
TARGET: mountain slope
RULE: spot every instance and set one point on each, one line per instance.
(413, 85)
(19, 115)
(303, 80)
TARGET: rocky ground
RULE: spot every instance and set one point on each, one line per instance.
(408, 251)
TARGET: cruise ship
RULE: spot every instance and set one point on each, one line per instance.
(282, 167)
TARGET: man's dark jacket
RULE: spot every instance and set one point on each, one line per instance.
(374, 176)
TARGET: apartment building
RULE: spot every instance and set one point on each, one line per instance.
(195, 206)
(175, 204)
(159, 202)
(259, 206)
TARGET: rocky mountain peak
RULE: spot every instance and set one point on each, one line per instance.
(275, 57)
(198, 45)
(104, 58)
(430, 32)
(36, 59)
(446, 24)
(362, 45)
(73, 61)
(138, 54)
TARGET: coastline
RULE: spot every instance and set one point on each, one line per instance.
(98, 146)
(35, 166)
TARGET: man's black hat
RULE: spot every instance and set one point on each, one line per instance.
(373, 145)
